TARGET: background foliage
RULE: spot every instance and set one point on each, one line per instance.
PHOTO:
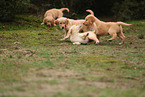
(117, 9)
(129, 9)
(9, 8)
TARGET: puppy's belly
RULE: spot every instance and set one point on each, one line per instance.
(103, 34)
(78, 39)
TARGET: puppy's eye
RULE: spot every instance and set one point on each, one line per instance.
(83, 23)
(64, 22)
(60, 23)
(86, 19)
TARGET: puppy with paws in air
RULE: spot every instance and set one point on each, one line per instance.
(80, 38)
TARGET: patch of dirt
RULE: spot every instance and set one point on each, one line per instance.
(46, 81)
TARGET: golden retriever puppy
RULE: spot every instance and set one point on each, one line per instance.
(65, 23)
(75, 36)
(106, 28)
(78, 38)
(52, 14)
(88, 27)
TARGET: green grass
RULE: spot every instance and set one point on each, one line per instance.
(40, 65)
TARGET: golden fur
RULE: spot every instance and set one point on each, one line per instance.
(65, 23)
(75, 36)
(89, 27)
(78, 38)
(52, 14)
(104, 28)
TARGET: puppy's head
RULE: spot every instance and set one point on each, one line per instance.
(84, 28)
(61, 22)
(49, 21)
(89, 20)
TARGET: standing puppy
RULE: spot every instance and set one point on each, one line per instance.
(65, 23)
(104, 28)
(52, 14)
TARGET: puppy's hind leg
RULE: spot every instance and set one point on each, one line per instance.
(113, 37)
(113, 34)
(94, 38)
(121, 35)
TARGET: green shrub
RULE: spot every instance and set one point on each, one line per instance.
(8, 8)
(129, 9)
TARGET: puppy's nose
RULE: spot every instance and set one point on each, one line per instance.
(62, 27)
(49, 25)
(84, 24)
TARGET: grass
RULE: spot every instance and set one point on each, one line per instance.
(34, 63)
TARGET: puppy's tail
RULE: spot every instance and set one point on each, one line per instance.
(122, 23)
(90, 11)
(62, 9)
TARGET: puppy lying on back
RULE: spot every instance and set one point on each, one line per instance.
(65, 23)
(104, 28)
(52, 14)
(78, 38)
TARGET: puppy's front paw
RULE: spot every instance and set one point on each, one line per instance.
(109, 40)
(55, 25)
(97, 43)
(120, 43)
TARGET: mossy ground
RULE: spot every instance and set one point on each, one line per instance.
(35, 63)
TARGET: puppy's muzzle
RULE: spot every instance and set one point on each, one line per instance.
(84, 24)
(49, 25)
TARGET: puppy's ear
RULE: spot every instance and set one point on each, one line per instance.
(67, 21)
(70, 31)
(56, 22)
(95, 31)
(92, 19)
